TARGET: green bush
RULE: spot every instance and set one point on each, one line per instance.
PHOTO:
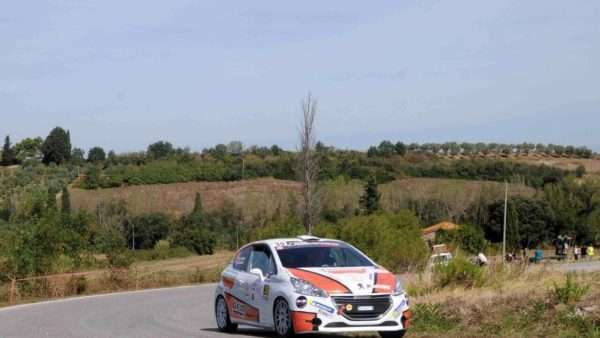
(570, 292)
(392, 240)
(468, 237)
(459, 271)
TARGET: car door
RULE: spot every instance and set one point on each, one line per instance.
(262, 259)
(240, 309)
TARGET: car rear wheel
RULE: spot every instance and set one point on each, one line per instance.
(392, 334)
(282, 318)
(222, 315)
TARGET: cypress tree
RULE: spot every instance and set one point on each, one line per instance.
(369, 201)
(198, 208)
(8, 154)
(65, 205)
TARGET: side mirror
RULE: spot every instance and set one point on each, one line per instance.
(257, 272)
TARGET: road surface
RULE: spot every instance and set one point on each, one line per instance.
(173, 312)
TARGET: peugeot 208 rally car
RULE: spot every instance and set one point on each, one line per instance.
(309, 285)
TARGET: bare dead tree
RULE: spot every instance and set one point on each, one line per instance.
(309, 166)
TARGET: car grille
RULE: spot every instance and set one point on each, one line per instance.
(363, 307)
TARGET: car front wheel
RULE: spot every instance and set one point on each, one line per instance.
(282, 318)
(222, 315)
(392, 334)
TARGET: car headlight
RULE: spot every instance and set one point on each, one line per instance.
(398, 289)
(306, 288)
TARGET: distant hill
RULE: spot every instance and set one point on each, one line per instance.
(267, 196)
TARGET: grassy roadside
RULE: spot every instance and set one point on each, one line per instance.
(510, 303)
(141, 275)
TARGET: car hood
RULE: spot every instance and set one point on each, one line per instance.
(355, 280)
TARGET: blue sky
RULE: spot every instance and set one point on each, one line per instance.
(122, 74)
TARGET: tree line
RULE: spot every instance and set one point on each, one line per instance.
(388, 148)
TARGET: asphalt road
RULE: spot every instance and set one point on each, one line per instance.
(174, 312)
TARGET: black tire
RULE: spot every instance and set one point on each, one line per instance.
(282, 319)
(392, 334)
(224, 323)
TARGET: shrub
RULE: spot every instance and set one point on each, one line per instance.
(430, 318)
(392, 240)
(459, 271)
(571, 292)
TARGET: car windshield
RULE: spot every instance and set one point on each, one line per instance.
(321, 255)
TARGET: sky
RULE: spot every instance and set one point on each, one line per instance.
(123, 74)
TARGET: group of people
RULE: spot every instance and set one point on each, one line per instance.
(582, 252)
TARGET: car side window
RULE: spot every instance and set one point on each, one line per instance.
(262, 259)
(240, 261)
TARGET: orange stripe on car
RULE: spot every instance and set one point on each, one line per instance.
(303, 321)
(228, 282)
(322, 282)
(385, 282)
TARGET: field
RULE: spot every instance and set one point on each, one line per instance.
(252, 196)
(267, 195)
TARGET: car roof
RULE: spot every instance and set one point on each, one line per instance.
(300, 239)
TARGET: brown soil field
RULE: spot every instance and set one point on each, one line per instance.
(267, 196)
(263, 195)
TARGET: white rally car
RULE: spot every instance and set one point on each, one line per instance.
(309, 285)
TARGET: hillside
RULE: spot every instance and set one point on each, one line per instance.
(262, 195)
(267, 195)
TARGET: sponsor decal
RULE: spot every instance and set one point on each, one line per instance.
(239, 308)
(266, 291)
(321, 306)
(398, 310)
(366, 308)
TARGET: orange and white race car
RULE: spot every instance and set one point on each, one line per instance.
(309, 285)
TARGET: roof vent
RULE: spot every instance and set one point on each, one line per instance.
(307, 238)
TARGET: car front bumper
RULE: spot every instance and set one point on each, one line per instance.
(328, 316)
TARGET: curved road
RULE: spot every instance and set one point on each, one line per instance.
(174, 312)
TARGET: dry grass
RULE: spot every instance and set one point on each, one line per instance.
(457, 194)
(142, 275)
(263, 195)
(514, 302)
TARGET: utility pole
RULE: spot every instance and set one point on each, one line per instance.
(504, 226)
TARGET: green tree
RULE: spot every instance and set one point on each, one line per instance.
(8, 153)
(146, 230)
(77, 156)
(109, 237)
(51, 201)
(29, 148)
(198, 208)
(392, 240)
(65, 205)
(96, 155)
(400, 148)
(57, 146)
(369, 201)
(34, 246)
(160, 149)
